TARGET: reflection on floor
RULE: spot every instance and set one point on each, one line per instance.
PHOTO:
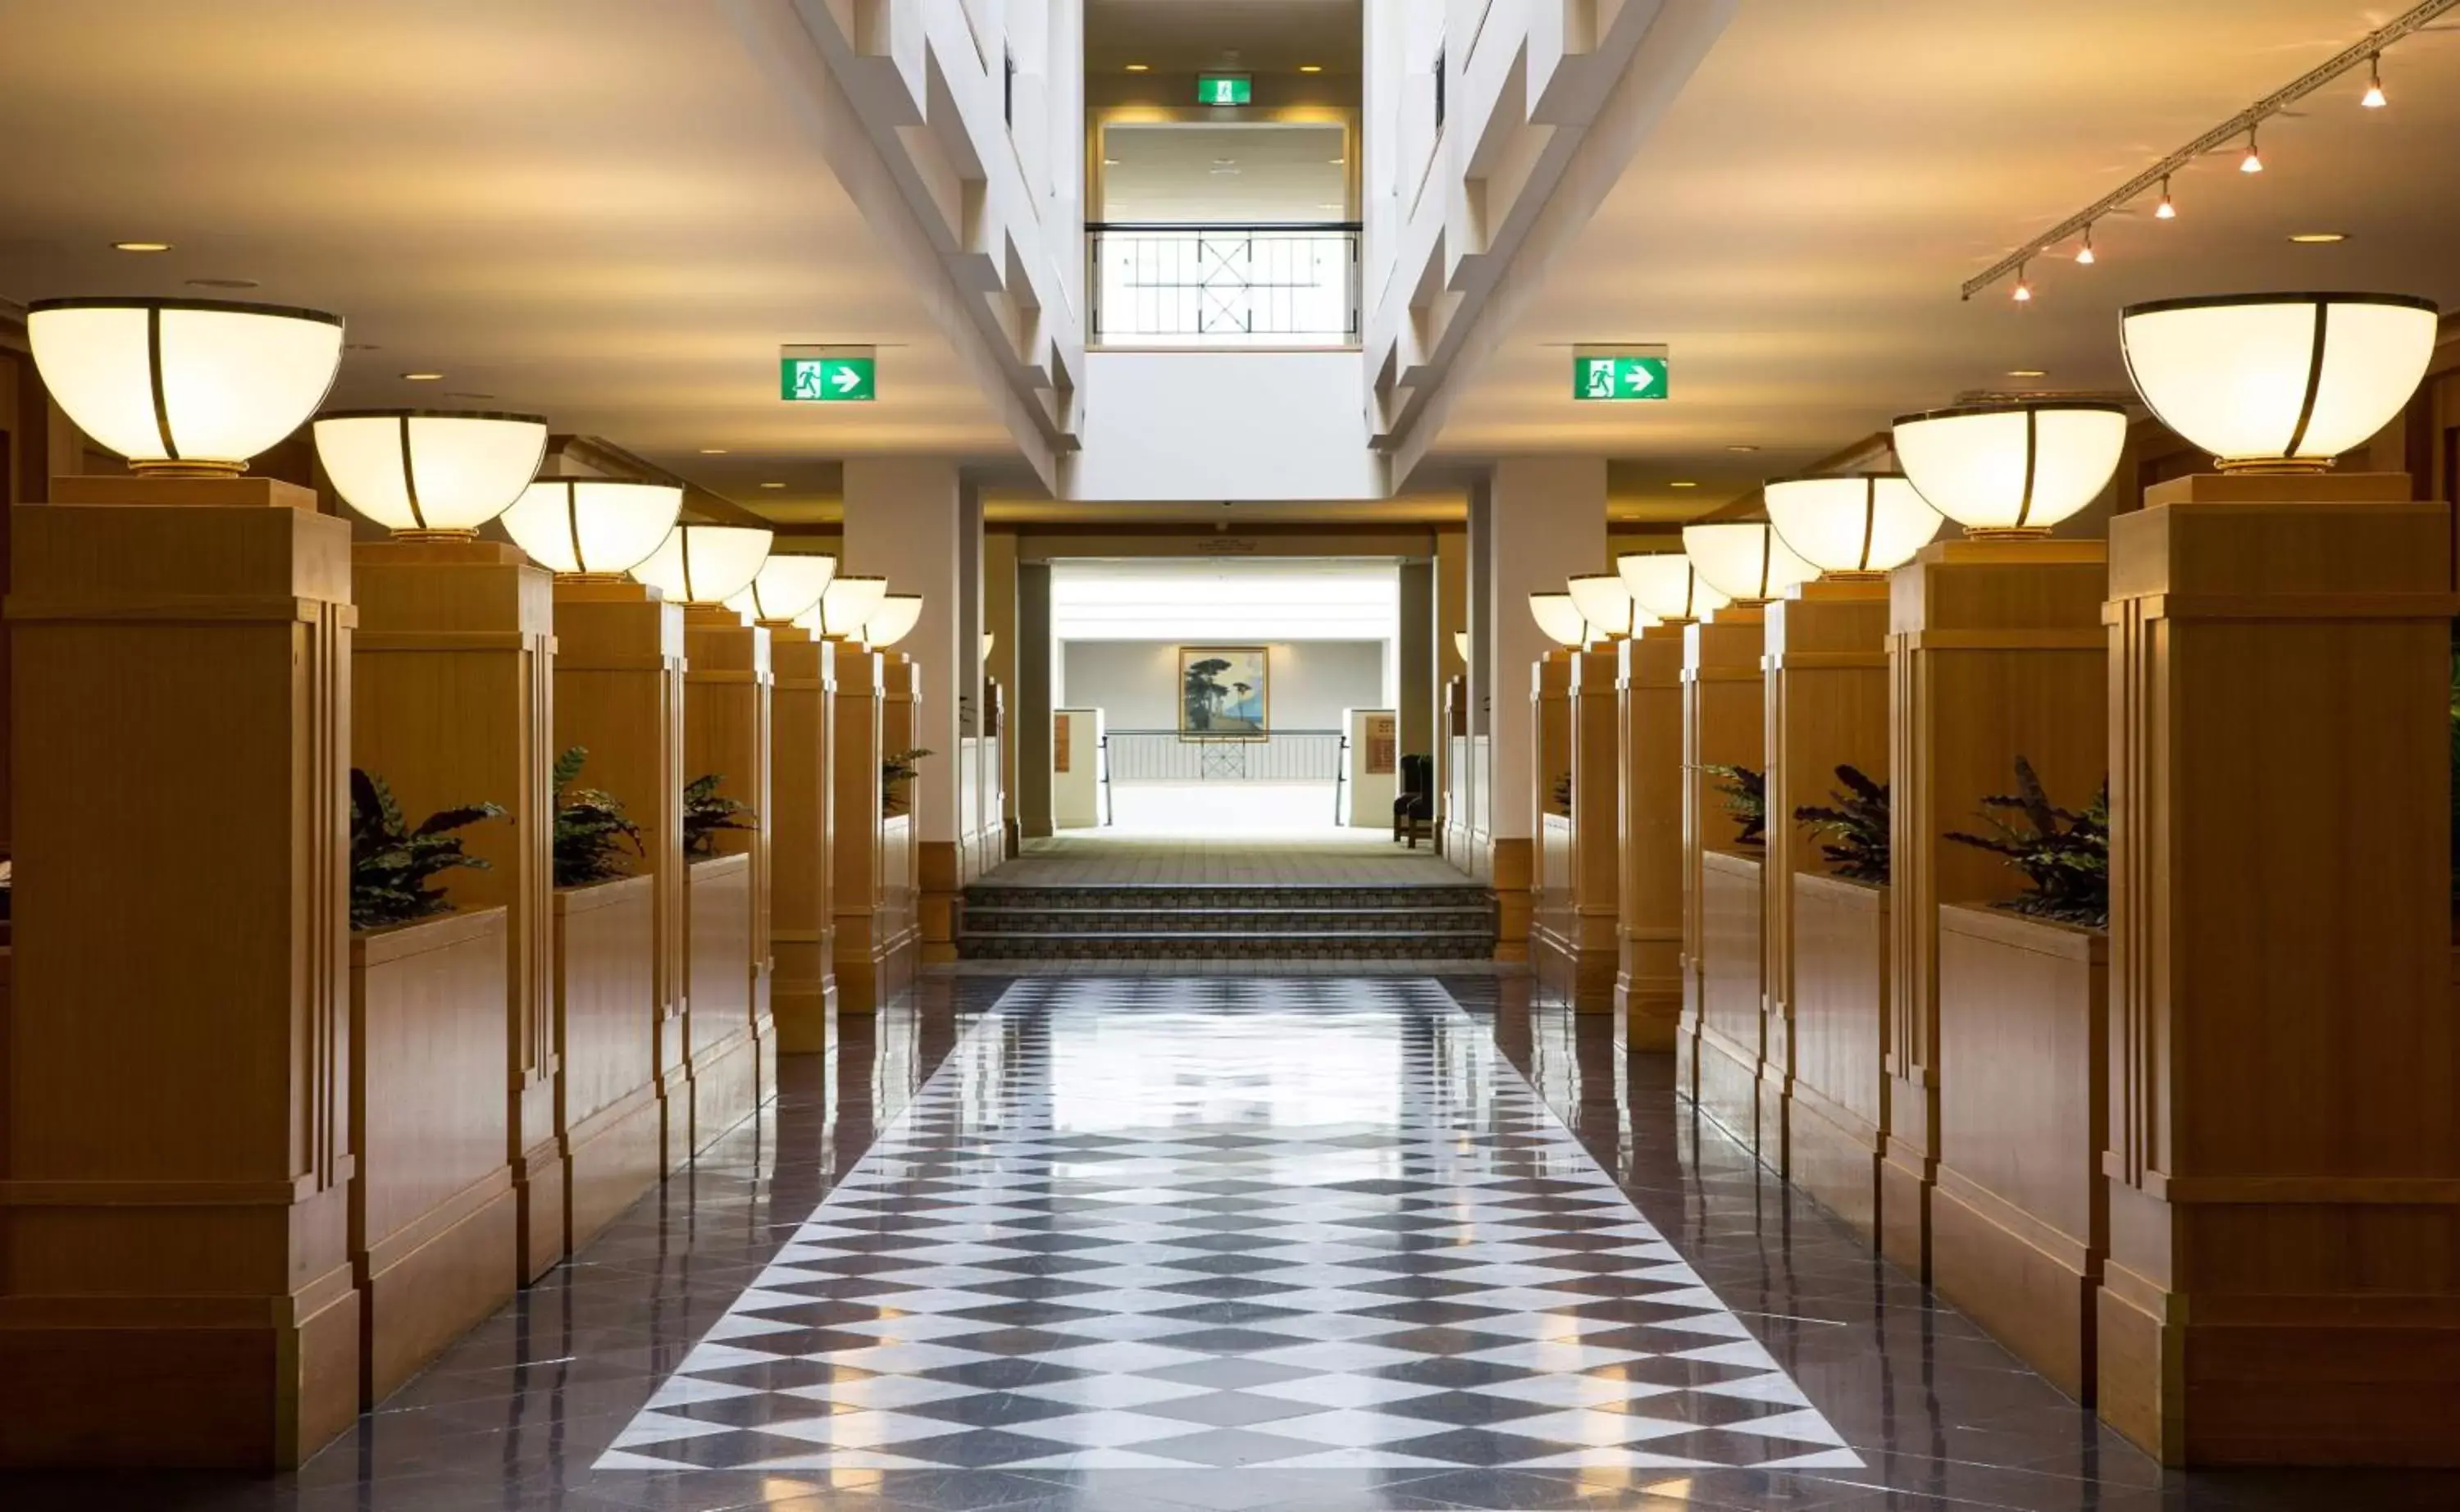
(526, 1413)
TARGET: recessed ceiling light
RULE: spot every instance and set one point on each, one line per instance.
(1328, 205)
(1310, 68)
(2319, 238)
(773, 485)
(1683, 483)
(1225, 162)
(2026, 372)
(712, 450)
(1138, 68)
(140, 246)
(1110, 162)
(1742, 448)
(1340, 163)
(223, 283)
(422, 377)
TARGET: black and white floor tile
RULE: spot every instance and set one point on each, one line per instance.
(1186, 1225)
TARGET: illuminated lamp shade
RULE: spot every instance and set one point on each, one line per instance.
(2279, 383)
(1747, 562)
(1855, 526)
(847, 604)
(1559, 617)
(1665, 586)
(184, 386)
(706, 564)
(1460, 643)
(989, 640)
(894, 619)
(429, 473)
(2011, 469)
(785, 588)
(585, 527)
(1602, 601)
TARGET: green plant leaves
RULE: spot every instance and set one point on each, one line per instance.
(1855, 832)
(393, 866)
(2063, 853)
(706, 812)
(590, 828)
(900, 767)
(1746, 798)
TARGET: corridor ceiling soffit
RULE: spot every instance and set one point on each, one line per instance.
(1538, 129)
(909, 106)
(1797, 226)
(1258, 37)
(598, 210)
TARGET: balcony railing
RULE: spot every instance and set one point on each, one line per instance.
(1164, 756)
(1224, 286)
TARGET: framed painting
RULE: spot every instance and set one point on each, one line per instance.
(1224, 693)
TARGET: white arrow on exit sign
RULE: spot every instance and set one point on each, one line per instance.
(845, 380)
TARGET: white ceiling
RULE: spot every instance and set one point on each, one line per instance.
(603, 211)
(1163, 598)
(1266, 36)
(1798, 223)
(1261, 170)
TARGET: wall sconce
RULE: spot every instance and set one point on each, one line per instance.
(586, 528)
(1460, 643)
(849, 600)
(2279, 383)
(2011, 470)
(1602, 601)
(989, 639)
(1558, 618)
(429, 475)
(1850, 525)
(706, 564)
(1665, 584)
(184, 388)
(893, 620)
(1745, 562)
(785, 587)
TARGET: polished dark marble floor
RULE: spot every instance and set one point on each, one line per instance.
(1250, 1182)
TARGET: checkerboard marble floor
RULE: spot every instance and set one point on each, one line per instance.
(1179, 1228)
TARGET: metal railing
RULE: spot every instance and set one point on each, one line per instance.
(1159, 285)
(1285, 756)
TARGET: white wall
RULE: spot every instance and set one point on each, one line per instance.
(1135, 683)
(1216, 425)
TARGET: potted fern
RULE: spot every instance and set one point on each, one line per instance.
(429, 985)
(1841, 1000)
(606, 1002)
(2019, 1222)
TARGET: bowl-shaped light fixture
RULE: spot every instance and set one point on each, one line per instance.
(430, 472)
(592, 527)
(1665, 586)
(706, 564)
(1745, 562)
(849, 602)
(989, 639)
(1460, 643)
(184, 386)
(2013, 469)
(785, 588)
(894, 619)
(1559, 618)
(1602, 601)
(1857, 526)
(2278, 382)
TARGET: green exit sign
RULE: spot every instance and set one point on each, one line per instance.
(828, 375)
(1632, 372)
(1223, 89)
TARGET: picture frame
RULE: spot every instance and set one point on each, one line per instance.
(1224, 693)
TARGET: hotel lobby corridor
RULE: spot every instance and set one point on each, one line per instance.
(1379, 1243)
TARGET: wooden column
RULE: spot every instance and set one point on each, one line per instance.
(619, 691)
(1648, 693)
(727, 716)
(1724, 723)
(2284, 1283)
(174, 1171)
(803, 845)
(855, 883)
(910, 872)
(453, 702)
(1580, 948)
(1550, 851)
(1994, 652)
(1827, 682)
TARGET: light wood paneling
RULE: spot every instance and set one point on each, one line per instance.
(1827, 685)
(1723, 724)
(1579, 958)
(719, 927)
(605, 997)
(857, 884)
(728, 707)
(1732, 950)
(453, 702)
(1994, 652)
(175, 1285)
(435, 1226)
(900, 847)
(803, 840)
(1838, 1114)
(2019, 1227)
(619, 690)
(1648, 693)
(1549, 900)
(2285, 1179)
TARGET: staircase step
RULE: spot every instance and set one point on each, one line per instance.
(1023, 920)
(1283, 945)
